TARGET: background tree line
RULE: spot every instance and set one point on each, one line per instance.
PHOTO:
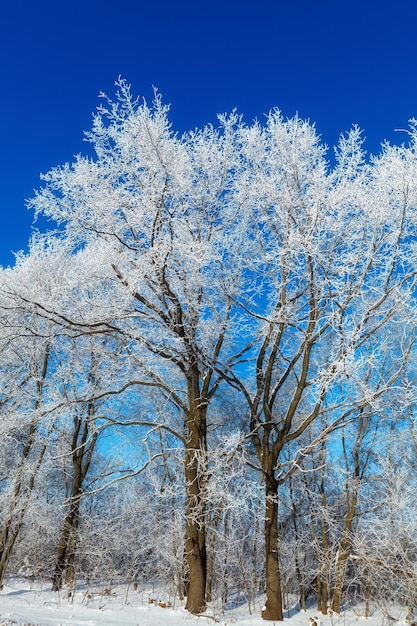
(207, 369)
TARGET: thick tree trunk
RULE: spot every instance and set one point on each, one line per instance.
(70, 573)
(195, 475)
(64, 562)
(195, 540)
(4, 537)
(273, 604)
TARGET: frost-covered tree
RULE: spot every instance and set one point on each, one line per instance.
(53, 384)
(26, 400)
(155, 218)
(332, 307)
(236, 255)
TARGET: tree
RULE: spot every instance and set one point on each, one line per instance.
(383, 549)
(154, 219)
(237, 255)
(83, 372)
(334, 267)
(26, 402)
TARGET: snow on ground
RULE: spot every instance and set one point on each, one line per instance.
(23, 603)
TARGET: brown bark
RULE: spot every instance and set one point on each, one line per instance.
(184, 322)
(342, 559)
(273, 605)
(66, 547)
(7, 550)
(195, 522)
(340, 572)
(195, 545)
(322, 592)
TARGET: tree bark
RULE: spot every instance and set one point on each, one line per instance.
(273, 605)
(195, 522)
(344, 549)
(340, 572)
(324, 559)
(67, 540)
(7, 550)
(195, 541)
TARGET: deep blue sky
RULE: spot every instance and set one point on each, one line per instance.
(336, 62)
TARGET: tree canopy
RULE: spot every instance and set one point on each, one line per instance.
(236, 292)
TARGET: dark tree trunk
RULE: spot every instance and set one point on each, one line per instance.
(195, 541)
(195, 522)
(273, 604)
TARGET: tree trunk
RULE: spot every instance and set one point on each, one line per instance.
(323, 593)
(273, 604)
(344, 549)
(66, 545)
(323, 573)
(195, 541)
(70, 573)
(340, 572)
(343, 555)
(195, 475)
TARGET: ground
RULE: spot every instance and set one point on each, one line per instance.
(24, 603)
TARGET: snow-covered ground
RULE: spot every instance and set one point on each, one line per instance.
(23, 603)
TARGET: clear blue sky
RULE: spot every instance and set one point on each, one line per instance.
(336, 62)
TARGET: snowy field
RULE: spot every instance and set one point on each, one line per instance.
(23, 603)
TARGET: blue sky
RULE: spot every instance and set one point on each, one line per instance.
(335, 62)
